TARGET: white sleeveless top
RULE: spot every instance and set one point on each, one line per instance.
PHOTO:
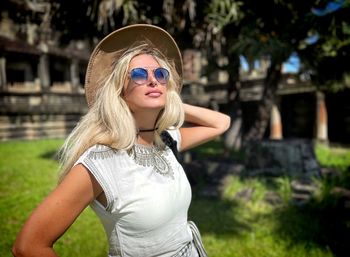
(148, 197)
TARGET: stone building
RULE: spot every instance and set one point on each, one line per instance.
(42, 95)
(301, 111)
(41, 83)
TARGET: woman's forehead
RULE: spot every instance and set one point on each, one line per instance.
(143, 60)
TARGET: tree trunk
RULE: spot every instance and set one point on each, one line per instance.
(257, 130)
(233, 136)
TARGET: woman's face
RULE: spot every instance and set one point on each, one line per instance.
(148, 93)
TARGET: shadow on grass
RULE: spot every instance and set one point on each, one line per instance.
(325, 223)
(216, 216)
(50, 155)
(321, 223)
(324, 220)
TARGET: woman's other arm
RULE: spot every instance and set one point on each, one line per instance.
(56, 213)
(206, 125)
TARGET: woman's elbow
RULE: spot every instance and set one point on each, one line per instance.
(18, 250)
(225, 123)
(22, 249)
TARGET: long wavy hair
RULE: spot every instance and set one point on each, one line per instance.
(109, 120)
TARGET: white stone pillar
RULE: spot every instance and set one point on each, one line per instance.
(74, 75)
(275, 124)
(3, 79)
(322, 117)
(44, 72)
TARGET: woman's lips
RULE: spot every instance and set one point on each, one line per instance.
(154, 93)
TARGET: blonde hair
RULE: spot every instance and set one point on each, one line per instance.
(110, 122)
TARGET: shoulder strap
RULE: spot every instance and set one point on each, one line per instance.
(170, 142)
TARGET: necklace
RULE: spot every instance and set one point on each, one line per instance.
(147, 130)
(147, 156)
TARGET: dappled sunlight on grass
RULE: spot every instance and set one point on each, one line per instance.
(333, 157)
(213, 150)
(256, 226)
(252, 215)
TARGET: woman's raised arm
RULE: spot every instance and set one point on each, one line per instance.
(205, 125)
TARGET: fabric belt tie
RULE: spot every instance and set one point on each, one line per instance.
(186, 251)
(197, 239)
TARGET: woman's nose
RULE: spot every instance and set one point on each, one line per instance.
(152, 81)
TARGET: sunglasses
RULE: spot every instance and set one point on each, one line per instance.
(140, 75)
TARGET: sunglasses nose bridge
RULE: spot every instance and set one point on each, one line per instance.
(152, 77)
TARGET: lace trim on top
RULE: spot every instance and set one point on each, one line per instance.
(147, 156)
(101, 152)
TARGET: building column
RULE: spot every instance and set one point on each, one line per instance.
(322, 117)
(44, 72)
(74, 74)
(275, 124)
(3, 79)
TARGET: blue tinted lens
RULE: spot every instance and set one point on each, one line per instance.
(139, 75)
(161, 75)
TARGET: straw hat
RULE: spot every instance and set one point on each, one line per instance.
(108, 50)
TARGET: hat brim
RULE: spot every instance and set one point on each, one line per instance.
(104, 54)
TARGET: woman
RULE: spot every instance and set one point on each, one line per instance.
(115, 159)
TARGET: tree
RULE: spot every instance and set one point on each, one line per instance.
(327, 54)
(272, 29)
(276, 29)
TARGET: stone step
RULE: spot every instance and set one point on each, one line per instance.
(303, 187)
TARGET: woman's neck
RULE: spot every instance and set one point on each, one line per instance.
(145, 124)
(146, 120)
(145, 138)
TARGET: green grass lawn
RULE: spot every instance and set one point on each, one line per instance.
(28, 172)
(230, 227)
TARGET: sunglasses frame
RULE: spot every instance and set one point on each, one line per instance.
(161, 69)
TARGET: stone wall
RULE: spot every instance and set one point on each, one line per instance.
(39, 115)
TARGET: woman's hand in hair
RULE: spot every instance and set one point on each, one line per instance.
(204, 125)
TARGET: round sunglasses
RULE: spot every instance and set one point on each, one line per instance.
(140, 75)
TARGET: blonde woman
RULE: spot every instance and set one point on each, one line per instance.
(116, 161)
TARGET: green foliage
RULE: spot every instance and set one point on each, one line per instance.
(215, 149)
(222, 13)
(337, 159)
(333, 157)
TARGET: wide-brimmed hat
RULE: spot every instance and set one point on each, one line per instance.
(108, 50)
